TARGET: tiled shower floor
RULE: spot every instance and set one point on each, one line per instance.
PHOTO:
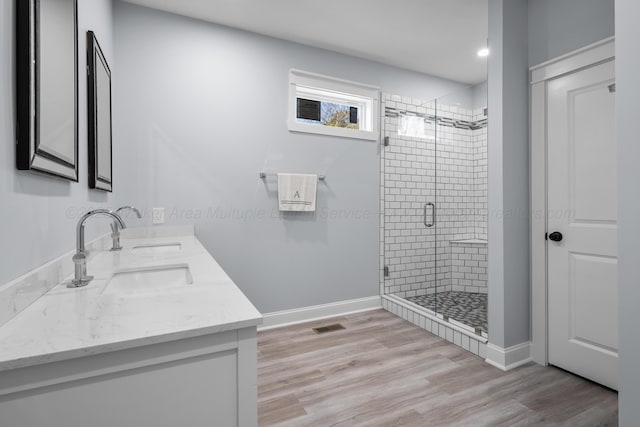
(465, 307)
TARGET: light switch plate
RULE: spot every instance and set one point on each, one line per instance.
(158, 216)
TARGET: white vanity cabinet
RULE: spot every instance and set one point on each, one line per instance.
(142, 353)
(208, 380)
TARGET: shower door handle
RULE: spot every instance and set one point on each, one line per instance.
(433, 215)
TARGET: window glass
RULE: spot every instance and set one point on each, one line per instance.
(324, 105)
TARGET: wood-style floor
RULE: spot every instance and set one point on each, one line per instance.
(383, 371)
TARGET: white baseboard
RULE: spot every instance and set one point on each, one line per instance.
(510, 357)
(279, 319)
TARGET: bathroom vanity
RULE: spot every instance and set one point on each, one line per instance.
(160, 337)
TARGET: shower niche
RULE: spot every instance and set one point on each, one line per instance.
(433, 214)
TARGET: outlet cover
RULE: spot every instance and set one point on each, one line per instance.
(158, 216)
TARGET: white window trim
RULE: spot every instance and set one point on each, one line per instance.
(321, 82)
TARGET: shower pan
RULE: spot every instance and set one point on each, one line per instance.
(433, 197)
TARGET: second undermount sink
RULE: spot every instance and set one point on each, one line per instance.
(158, 248)
(135, 280)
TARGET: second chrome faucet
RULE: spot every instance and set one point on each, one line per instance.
(115, 230)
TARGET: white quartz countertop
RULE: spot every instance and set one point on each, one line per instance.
(67, 323)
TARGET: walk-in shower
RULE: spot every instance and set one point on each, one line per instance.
(434, 206)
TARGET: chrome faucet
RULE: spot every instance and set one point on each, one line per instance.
(80, 258)
(115, 231)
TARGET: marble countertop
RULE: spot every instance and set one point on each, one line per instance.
(67, 323)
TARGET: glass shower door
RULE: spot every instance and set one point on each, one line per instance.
(408, 211)
(461, 221)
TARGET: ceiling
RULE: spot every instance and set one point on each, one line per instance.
(437, 37)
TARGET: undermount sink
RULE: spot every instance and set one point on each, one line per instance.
(134, 280)
(158, 248)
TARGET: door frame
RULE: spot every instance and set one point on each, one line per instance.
(596, 53)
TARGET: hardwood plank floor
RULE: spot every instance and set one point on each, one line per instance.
(383, 371)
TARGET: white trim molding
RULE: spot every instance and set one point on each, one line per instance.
(279, 319)
(541, 74)
(510, 357)
(587, 56)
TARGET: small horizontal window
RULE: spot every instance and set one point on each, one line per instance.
(320, 104)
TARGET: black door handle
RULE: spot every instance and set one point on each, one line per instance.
(556, 236)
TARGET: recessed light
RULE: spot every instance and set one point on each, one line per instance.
(483, 52)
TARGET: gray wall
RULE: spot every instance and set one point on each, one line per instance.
(522, 33)
(627, 111)
(557, 27)
(39, 213)
(469, 97)
(203, 108)
(479, 93)
(508, 146)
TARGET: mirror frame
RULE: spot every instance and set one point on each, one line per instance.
(30, 155)
(95, 59)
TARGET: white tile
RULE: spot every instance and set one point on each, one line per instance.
(449, 334)
(466, 342)
(457, 338)
(473, 346)
(482, 350)
(416, 319)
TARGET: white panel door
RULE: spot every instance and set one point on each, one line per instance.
(582, 266)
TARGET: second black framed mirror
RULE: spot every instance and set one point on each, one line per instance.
(100, 122)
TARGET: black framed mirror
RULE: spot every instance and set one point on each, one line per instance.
(99, 108)
(47, 87)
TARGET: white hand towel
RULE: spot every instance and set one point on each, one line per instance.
(297, 192)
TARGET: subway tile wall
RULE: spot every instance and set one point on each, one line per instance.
(415, 170)
(469, 266)
(480, 175)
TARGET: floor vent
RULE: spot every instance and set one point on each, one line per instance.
(328, 328)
